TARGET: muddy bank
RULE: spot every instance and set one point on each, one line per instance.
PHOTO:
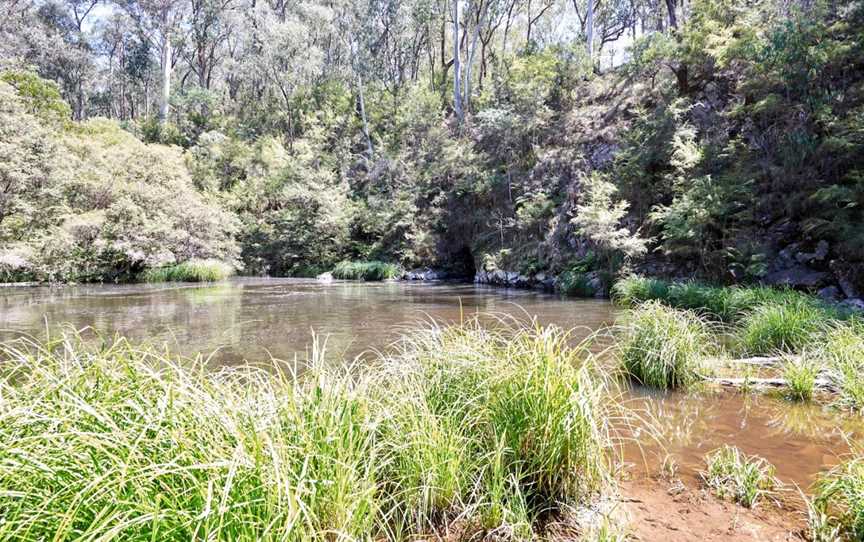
(672, 511)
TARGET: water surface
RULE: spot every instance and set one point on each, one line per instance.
(253, 319)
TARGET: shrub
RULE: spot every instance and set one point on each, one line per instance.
(191, 271)
(730, 473)
(574, 283)
(782, 327)
(116, 440)
(366, 271)
(662, 347)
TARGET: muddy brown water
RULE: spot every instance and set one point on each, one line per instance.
(254, 319)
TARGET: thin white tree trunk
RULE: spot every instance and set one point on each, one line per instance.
(166, 80)
(589, 29)
(363, 116)
(457, 66)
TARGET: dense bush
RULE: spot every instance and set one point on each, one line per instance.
(91, 202)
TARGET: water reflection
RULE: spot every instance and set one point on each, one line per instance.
(253, 319)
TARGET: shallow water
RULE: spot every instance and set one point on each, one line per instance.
(253, 319)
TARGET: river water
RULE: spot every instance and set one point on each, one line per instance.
(254, 318)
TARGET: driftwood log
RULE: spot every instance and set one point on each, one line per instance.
(822, 384)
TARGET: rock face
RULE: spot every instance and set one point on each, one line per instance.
(425, 273)
(797, 276)
(512, 279)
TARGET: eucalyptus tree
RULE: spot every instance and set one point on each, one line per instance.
(159, 22)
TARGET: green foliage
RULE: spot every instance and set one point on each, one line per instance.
(40, 97)
(366, 271)
(745, 479)
(599, 218)
(444, 429)
(191, 271)
(662, 347)
(574, 283)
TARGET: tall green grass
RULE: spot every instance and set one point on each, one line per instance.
(800, 376)
(842, 353)
(111, 441)
(781, 327)
(662, 347)
(190, 271)
(372, 271)
(838, 504)
(729, 304)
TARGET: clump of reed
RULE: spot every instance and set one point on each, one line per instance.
(370, 271)
(837, 509)
(787, 326)
(635, 289)
(842, 353)
(800, 376)
(109, 440)
(730, 473)
(190, 271)
(662, 347)
(729, 304)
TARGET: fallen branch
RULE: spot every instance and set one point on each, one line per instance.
(823, 384)
(761, 361)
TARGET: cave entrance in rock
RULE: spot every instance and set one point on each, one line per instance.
(462, 263)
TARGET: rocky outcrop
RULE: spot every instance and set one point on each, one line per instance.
(513, 279)
(426, 274)
(797, 276)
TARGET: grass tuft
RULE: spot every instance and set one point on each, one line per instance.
(838, 505)
(459, 424)
(781, 327)
(730, 473)
(371, 271)
(662, 347)
(800, 376)
(842, 353)
(635, 289)
(190, 271)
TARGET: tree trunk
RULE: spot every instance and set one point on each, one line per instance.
(457, 67)
(371, 150)
(166, 80)
(471, 51)
(589, 29)
(673, 18)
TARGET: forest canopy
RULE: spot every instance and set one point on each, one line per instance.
(717, 139)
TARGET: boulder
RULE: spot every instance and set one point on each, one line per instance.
(797, 276)
(830, 293)
(325, 277)
(856, 304)
(425, 273)
(818, 255)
